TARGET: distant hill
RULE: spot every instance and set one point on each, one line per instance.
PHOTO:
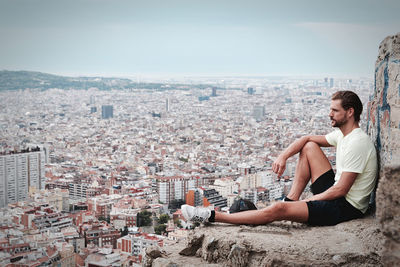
(21, 80)
(16, 80)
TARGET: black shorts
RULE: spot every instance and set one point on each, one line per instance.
(329, 212)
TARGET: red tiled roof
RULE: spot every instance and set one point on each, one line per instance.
(178, 212)
(79, 261)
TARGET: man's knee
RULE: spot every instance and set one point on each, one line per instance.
(275, 211)
(310, 146)
(279, 207)
(293, 211)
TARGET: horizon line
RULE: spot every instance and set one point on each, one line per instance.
(135, 75)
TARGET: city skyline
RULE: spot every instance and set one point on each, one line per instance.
(138, 38)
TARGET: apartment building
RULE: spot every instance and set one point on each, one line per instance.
(100, 234)
(135, 244)
(176, 187)
(18, 172)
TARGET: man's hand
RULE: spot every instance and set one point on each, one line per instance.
(279, 165)
(340, 189)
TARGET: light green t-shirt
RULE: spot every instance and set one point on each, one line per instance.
(355, 153)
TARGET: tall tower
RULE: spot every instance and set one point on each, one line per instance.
(258, 113)
(93, 108)
(107, 111)
(18, 172)
(330, 82)
(167, 104)
(214, 91)
(326, 82)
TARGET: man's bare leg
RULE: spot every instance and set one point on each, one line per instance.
(311, 165)
(292, 211)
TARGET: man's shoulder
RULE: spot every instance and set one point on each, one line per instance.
(360, 141)
(333, 136)
(360, 132)
(360, 136)
(335, 132)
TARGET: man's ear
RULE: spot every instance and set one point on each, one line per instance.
(350, 112)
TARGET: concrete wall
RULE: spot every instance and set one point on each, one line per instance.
(384, 128)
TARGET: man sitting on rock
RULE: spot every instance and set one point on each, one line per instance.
(337, 198)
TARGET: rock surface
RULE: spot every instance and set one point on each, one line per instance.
(384, 129)
(384, 107)
(354, 243)
(388, 214)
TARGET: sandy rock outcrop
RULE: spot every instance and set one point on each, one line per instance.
(355, 243)
(384, 129)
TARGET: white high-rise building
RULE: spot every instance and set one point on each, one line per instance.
(225, 186)
(176, 187)
(18, 172)
(167, 104)
(259, 113)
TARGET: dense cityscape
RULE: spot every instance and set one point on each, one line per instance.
(93, 177)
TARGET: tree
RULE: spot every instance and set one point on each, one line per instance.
(160, 229)
(144, 218)
(106, 219)
(163, 219)
(178, 223)
(175, 204)
(125, 231)
(183, 159)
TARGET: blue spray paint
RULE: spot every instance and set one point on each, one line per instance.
(385, 105)
(397, 61)
(377, 68)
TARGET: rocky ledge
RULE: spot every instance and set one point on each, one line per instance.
(354, 243)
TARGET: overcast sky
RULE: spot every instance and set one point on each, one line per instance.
(218, 37)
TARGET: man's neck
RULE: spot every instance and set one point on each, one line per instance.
(349, 127)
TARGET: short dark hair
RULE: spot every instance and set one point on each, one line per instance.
(349, 99)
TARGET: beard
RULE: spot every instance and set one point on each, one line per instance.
(338, 123)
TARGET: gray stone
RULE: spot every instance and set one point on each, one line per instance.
(238, 256)
(357, 242)
(152, 253)
(384, 129)
(193, 245)
(161, 262)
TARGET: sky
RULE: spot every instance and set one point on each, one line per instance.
(206, 37)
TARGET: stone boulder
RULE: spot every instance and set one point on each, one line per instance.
(384, 129)
(354, 243)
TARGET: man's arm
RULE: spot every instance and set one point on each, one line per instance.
(279, 164)
(338, 190)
